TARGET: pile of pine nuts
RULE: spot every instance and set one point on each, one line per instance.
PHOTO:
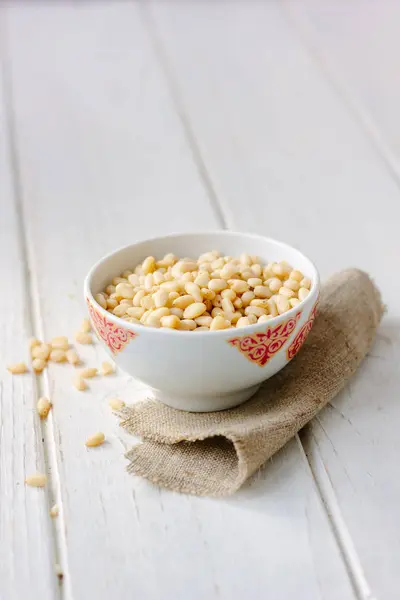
(210, 293)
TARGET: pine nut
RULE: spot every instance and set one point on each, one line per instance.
(17, 368)
(133, 280)
(292, 284)
(135, 311)
(227, 306)
(161, 298)
(208, 294)
(36, 480)
(42, 351)
(86, 326)
(247, 297)
(183, 301)
(256, 270)
(95, 440)
(193, 290)
(80, 384)
(273, 310)
(72, 357)
(303, 293)
(110, 289)
(118, 280)
(282, 304)
(264, 318)
(237, 303)
(294, 302)
(38, 364)
(83, 338)
(112, 303)
(194, 310)
(228, 293)
(187, 324)
(60, 343)
(255, 310)
(149, 265)
(57, 355)
(116, 403)
(153, 321)
(238, 286)
(170, 321)
(204, 321)
(296, 275)
(305, 283)
(32, 342)
(120, 310)
(243, 322)
(43, 407)
(88, 373)
(147, 302)
(178, 312)
(252, 319)
(100, 299)
(254, 281)
(217, 285)
(219, 323)
(274, 284)
(262, 291)
(284, 291)
(106, 368)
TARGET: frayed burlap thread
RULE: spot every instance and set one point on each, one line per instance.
(212, 454)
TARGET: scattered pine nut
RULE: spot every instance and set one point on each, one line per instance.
(58, 355)
(83, 338)
(86, 326)
(43, 407)
(36, 480)
(107, 368)
(18, 368)
(60, 343)
(33, 342)
(38, 364)
(116, 403)
(95, 440)
(41, 351)
(72, 357)
(54, 511)
(80, 384)
(88, 373)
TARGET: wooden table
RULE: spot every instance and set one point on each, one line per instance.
(122, 120)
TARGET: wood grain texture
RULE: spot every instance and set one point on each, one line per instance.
(289, 158)
(26, 544)
(104, 160)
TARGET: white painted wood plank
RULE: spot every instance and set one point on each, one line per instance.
(104, 161)
(357, 43)
(26, 546)
(289, 159)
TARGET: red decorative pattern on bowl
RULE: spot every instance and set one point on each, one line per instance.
(261, 347)
(114, 336)
(302, 334)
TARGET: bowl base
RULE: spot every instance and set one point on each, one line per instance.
(198, 403)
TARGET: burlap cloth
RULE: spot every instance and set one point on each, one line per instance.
(212, 454)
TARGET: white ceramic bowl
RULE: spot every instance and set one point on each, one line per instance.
(206, 370)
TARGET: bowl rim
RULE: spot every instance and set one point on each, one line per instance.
(241, 331)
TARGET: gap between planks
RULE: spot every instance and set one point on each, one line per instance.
(48, 458)
(309, 449)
